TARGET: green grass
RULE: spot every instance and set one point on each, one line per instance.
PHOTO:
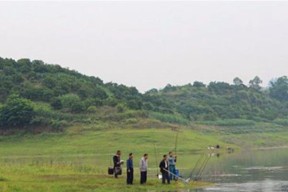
(77, 160)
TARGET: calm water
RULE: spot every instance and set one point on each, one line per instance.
(248, 171)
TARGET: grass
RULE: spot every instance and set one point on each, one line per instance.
(77, 160)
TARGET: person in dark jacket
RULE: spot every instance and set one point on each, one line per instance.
(130, 170)
(164, 170)
(117, 164)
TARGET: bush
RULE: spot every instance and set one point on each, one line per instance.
(68, 100)
(17, 112)
(92, 109)
(121, 108)
(58, 125)
(283, 122)
(169, 118)
(230, 122)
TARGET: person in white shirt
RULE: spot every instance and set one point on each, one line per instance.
(143, 165)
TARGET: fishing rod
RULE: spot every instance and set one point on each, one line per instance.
(197, 165)
(202, 168)
(177, 176)
(155, 151)
(204, 164)
(176, 142)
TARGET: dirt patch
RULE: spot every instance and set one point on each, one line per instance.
(3, 179)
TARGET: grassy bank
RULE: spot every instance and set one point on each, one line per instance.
(77, 160)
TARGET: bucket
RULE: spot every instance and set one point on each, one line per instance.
(177, 172)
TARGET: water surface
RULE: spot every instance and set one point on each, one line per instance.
(248, 171)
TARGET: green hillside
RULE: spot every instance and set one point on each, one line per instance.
(220, 100)
(41, 96)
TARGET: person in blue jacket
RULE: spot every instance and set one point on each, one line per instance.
(172, 165)
(130, 169)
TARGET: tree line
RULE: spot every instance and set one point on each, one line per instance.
(33, 93)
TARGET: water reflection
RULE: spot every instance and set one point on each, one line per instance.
(182, 190)
(266, 185)
(252, 171)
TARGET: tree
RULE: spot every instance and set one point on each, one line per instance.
(219, 87)
(56, 103)
(255, 83)
(100, 93)
(279, 89)
(237, 81)
(169, 88)
(17, 112)
(78, 107)
(134, 104)
(198, 84)
(151, 92)
(72, 103)
(24, 65)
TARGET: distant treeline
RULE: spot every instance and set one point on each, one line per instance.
(33, 93)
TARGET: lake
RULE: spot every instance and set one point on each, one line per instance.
(251, 170)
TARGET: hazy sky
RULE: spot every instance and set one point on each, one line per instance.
(151, 43)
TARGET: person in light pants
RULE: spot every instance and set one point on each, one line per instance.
(143, 165)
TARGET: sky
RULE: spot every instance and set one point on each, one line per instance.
(149, 44)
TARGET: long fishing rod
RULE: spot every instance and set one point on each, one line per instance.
(197, 165)
(155, 151)
(177, 176)
(176, 142)
(202, 168)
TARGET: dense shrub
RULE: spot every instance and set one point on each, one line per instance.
(17, 112)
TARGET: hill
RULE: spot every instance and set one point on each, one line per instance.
(220, 100)
(39, 95)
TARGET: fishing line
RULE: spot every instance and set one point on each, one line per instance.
(155, 151)
(202, 168)
(196, 165)
(176, 142)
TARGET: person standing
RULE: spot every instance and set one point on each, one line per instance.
(117, 164)
(172, 165)
(164, 170)
(143, 165)
(130, 170)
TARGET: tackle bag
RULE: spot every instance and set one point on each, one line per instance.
(110, 170)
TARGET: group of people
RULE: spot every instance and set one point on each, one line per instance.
(167, 167)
